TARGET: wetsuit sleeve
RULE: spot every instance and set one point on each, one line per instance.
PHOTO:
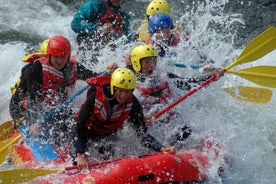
(15, 107)
(34, 83)
(137, 118)
(80, 131)
(126, 27)
(85, 19)
(131, 68)
(85, 73)
(188, 83)
(34, 87)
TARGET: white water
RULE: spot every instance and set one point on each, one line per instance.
(245, 130)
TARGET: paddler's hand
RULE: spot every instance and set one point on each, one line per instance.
(219, 72)
(166, 150)
(106, 28)
(111, 68)
(127, 60)
(81, 161)
(34, 129)
(148, 120)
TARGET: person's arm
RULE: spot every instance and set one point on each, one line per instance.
(85, 20)
(34, 83)
(126, 26)
(137, 118)
(188, 83)
(18, 103)
(84, 73)
(80, 129)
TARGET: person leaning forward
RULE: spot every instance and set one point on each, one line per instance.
(110, 101)
(49, 80)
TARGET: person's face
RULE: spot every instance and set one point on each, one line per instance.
(148, 65)
(163, 34)
(116, 3)
(58, 62)
(122, 95)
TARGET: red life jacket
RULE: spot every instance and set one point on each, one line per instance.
(160, 89)
(154, 93)
(115, 19)
(54, 88)
(99, 122)
(175, 39)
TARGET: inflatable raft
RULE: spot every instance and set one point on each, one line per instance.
(189, 166)
(185, 167)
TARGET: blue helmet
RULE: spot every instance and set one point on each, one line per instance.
(159, 21)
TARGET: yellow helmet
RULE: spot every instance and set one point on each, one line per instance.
(158, 6)
(43, 46)
(122, 78)
(139, 52)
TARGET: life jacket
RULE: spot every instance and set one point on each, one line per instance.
(105, 121)
(158, 89)
(115, 19)
(55, 84)
(144, 34)
(164, 49)
(175, 39)
(30, 58)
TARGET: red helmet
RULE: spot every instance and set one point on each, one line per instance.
(59, 46)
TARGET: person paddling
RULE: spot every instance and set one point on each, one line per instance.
(109, 105)
(45, 84)
(156, 7)
(155, 92)
(97, 24)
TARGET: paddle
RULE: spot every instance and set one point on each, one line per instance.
(261, 45)
(67, 102)
(181, 65)
(261, 75)
(7, 128)
(25, 174)
(5, 147)
(250, 94)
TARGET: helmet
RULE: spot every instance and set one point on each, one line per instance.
(58, 46)
(43, 46)
(122, 78)
(158, 6)
(159, 21)
(139, 52)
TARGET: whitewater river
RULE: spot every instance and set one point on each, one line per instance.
(246, 131)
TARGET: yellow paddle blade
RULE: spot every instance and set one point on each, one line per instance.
(6, 147)
(23, 175)
(261, 75)
(257, 48)
(250, 94)
(7, 128)
(266, 35)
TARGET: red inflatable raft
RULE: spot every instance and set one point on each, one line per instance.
(185, 167)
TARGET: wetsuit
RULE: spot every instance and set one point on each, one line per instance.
(82, 133)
